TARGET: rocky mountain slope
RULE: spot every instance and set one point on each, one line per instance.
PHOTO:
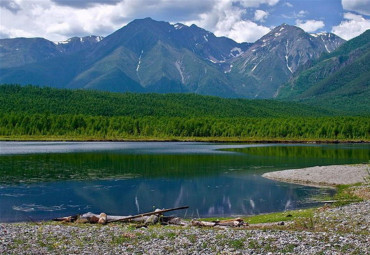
(272, 60)
(340, 79)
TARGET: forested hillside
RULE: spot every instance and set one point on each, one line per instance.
(32, 99)
(44, 113)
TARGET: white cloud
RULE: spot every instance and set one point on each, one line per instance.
(294, 15)
(310, 25)
(226, 19)
(59, 19)
(84, 3)
(359, 6)
(260, 15)
(353, 26)
(46, 19)
(256, 3)
(288, 4)
(247, 31)
(302, 14)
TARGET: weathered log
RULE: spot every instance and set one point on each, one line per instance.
(230, 223)
(224, 223)
(110, 218)
(151, 220)
(173, 221)
(157, 212)
(67, 219)
(199, 223)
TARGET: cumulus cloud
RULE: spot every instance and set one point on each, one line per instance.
(46, 19)
(57, 22)
(226, 18)
(247, 31)
(260, 15)
(310, 25)
(359, 6)
(353, 26)
(59, 19)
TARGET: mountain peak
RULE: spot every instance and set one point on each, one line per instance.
(286, 27)
(146, 21)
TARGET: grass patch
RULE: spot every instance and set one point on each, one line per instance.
(288, 248)
(280, 216)
(124, 238)
(345, 196)
(253, 244)
(236, 244)
(192, 238)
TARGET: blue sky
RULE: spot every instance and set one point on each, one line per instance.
(241, 20)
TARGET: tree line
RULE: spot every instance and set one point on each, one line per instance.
(121, 127)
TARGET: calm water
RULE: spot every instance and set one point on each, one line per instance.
(42, 180)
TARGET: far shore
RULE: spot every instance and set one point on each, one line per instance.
(175, 139)
(327, 176)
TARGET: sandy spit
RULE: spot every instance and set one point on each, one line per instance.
(322, 175)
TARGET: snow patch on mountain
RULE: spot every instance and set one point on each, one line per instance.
(178, 66)
(138, 64)
(178, 26)
(229, 70)
(63, 42)
(287, 58)
(235, 52)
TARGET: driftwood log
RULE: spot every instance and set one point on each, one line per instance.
(238, 222)
(156, 212)
(150, 218)
(103, 218)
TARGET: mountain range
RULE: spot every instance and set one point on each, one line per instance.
(155, 56)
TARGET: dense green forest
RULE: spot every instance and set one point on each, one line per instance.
(120, 127)
(27, 112)
(32, 99)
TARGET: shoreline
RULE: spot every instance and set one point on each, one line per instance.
(322, 176)
(186, 139)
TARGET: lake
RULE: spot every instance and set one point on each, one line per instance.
(44, 180)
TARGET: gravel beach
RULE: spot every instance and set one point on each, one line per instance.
(322, 175)
(343, 230)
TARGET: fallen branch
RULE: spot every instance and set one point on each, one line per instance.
(67, 219)
(128, 218)
(224, 223)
